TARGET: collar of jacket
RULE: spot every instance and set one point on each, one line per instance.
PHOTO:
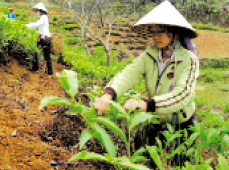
(153, 53)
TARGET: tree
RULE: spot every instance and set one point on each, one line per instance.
(102, 13)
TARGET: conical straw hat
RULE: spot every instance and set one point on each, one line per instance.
(165, 14)
(40, 6)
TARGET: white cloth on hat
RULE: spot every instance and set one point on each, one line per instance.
(40, 6)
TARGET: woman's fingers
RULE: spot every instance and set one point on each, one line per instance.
(131, 104)
(101, 104)
(134, 105)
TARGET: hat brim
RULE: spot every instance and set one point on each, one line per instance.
(35, 9)
(41, 7)
(165, 14)
(143, 31)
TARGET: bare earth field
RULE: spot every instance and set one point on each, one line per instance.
(213, 44)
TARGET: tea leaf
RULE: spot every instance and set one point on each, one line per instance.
(120, 109)
(223, 163)
(190, 151)
(63, 79)
(93, 98)
(160, 149)
(105, 139)
(139, 151)
(211, 135)
(188, 166)
(128, 164)
(173, 137)
(170, 128)
(68, 79)
(138, 158)
(192, 138)
(139, 118)
(154, 154)
(88, 155)
(85, 136)
(112, 126)
(58, 101)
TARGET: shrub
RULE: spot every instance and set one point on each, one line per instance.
(18, 40)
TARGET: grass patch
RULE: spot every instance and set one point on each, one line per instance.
(214, 78)
(71, 40)
(211, 27)
(212, 56)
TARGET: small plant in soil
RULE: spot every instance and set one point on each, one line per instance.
(101, 127)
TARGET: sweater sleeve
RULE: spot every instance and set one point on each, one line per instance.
(184, 90)
(36, 24)
(129, 76)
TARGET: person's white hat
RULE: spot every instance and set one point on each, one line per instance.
(40, 6)
(164, 14)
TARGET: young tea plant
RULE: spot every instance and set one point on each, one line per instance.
(100, 127)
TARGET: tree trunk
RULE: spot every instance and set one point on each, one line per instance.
(108, 55)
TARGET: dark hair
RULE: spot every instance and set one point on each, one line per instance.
(42, 11)
(182, 32)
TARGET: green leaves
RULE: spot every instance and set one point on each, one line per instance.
(125, 162)
(85, 136)
(120, 109)
(139, 118)
(88, 155)
(112, 126)
(223, 163)
(23, 41)
(59, 101)
(68, 79)
(154, 154)
(105, 139)
(137, 156)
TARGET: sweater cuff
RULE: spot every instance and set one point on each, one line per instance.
(110, 90)
(150, 105)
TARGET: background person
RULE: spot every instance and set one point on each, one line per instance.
(169, 67)
(11, 14)
(44, 39)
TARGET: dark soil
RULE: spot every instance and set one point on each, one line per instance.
(38, 139)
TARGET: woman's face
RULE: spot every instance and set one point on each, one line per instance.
(160, 37)
(38, 12)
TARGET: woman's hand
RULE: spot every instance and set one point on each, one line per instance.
(101, 104)
(134, 105)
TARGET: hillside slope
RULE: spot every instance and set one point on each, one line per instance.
(22, 147)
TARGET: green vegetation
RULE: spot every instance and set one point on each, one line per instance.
(212, 134)
(200, 26)
(16, 39)
(71, 40)
(93, 66)
(210, 131)
(214, 83)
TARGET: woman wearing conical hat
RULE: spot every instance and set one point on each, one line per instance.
(169, 67)
(44, 39)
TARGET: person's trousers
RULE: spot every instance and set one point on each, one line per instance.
(148, 135)
(45, 44)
